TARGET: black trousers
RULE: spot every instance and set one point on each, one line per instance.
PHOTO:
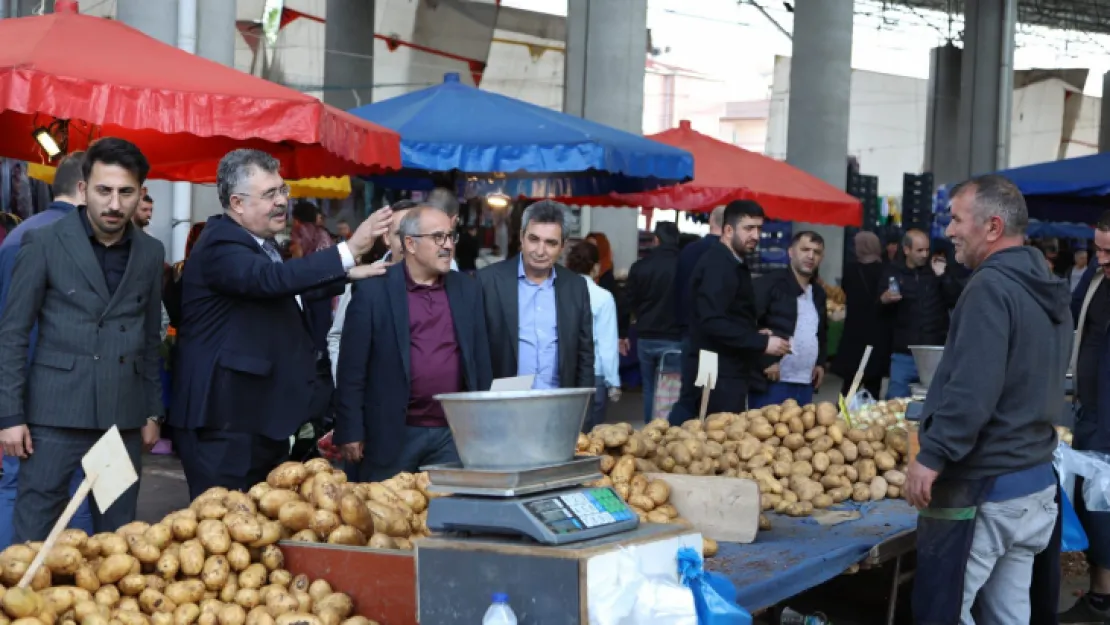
(233, 460)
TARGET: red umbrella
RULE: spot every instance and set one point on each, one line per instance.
(724, 172)
(83, 77)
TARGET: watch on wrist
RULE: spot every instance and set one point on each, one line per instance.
(156, 420)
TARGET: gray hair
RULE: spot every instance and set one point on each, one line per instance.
(997, 196)
(546, 212)
(238, 165)
(410, 223)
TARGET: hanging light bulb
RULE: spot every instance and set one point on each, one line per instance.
(498, 200)
(47, 143)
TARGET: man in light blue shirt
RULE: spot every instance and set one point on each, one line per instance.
(537, 312)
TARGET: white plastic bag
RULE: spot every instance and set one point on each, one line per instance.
(862, 399)
(1093, 467)
(625, 596)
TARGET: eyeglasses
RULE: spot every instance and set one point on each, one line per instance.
(269, 195)
(439, 238)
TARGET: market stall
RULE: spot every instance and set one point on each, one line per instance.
(1073, 190)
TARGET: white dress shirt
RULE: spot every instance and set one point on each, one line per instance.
(606, 339)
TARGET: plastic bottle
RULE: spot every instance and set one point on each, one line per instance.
(499, 613)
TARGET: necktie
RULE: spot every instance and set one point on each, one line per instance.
(270, 247)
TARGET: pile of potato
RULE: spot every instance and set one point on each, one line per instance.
(802, 457)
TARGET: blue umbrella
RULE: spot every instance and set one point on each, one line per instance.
(453, 127)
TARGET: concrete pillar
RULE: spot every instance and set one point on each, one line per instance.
(158, 19)
(1104, 118)
(820, 90)
(216, 42)
(605, 58)
(349, 53)
(986, 86)
(942, 124)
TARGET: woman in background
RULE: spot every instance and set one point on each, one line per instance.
(605, 278)
(583, 260)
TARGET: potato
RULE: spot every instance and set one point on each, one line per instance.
(353, 512)
(134, 527)
(254, 576)
(822, 443)
(878, 488)
(823, 500)
(113, 568)
(800, 509)
(152, 601)
(249, 598)
(319, 589)
(111, 544)
(184, 528)
(272, 558)
(893, 492)
(861, 493)
(762, 431)
(867, 470)
(191, 557)
(215, 572)
(64, 560)
(143, 551)
(897, 440)
(287, 475)
(347, 535)
(793, 441)
(865, 449)
(271, 533)
(820, 462)
(856, 435)
(781, 468)
(849, 450)
(213, 535)
(186, 614)
(834, 432)
(280, 602)
(132, 585)
(802, 468)
(243, 527)
(21, 602)
(876, 433)
(259, 616)
(805, 454)
(805, 489)
(884, 461)
(298, 619)
(212, 510)
(764, 522)
(272, 501)
(107, 596)
(827, 413)
(894, 478)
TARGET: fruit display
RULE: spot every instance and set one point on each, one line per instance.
(803, 458)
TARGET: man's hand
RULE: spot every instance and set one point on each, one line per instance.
(374, 226)
(765, 332)
(772, 372)
(352, 452)
(152, 432)
(614, 393)
(939, 266)
(919, 485)
(16, 441)
(623, 346)
(818, 376)
(777, 346)
(889, 297)
(361, 272)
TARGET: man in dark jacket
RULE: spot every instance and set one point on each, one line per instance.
(917, 310)
(649, 295)
(983, 478)
(723, 317)
(684, 269)
(792, 305)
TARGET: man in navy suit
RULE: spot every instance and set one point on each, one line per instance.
(246, 371)
(415, 333)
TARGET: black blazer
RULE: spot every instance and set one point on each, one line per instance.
(245, 359)
(373, 379)
(723, 317)
(776, 303)
(573, 316)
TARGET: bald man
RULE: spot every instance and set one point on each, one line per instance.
(917, 309)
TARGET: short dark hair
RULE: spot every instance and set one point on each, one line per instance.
(997, 196)
(70, 171)
(582, 257)
(807, 234)
(116, 151)
(546, 212)
(305, 212)
(1104, 221)
(148, 199)
(737, 209)
(666, 232)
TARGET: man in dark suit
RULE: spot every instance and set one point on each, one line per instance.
(723, 315)
(413, 334)
(92, 282)
(538, 313)
(246, 370)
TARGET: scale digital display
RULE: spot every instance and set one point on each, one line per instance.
(580, 510)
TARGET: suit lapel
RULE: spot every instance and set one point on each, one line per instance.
(399, 302)
(510, 295)
(458, 319)
(567, 339)
(76, 243)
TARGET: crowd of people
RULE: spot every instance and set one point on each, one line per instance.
(360, 332)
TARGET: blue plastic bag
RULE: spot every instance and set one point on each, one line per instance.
(714, 594)
(1072, 536)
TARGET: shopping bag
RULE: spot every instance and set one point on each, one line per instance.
(714, 594)
(1072, 537)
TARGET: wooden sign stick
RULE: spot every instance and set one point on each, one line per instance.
(59, 527)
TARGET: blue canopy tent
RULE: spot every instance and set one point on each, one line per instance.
(486, 139)
(1071, 190)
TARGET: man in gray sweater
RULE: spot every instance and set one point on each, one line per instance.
(983, 479)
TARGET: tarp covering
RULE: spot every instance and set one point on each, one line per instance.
(1083, 176)
(725, 172)
(185, 112)
(455, 127)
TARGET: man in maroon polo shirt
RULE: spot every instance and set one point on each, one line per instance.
(414, 333)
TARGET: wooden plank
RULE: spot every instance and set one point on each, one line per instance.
(382, 584)
(725, 509)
